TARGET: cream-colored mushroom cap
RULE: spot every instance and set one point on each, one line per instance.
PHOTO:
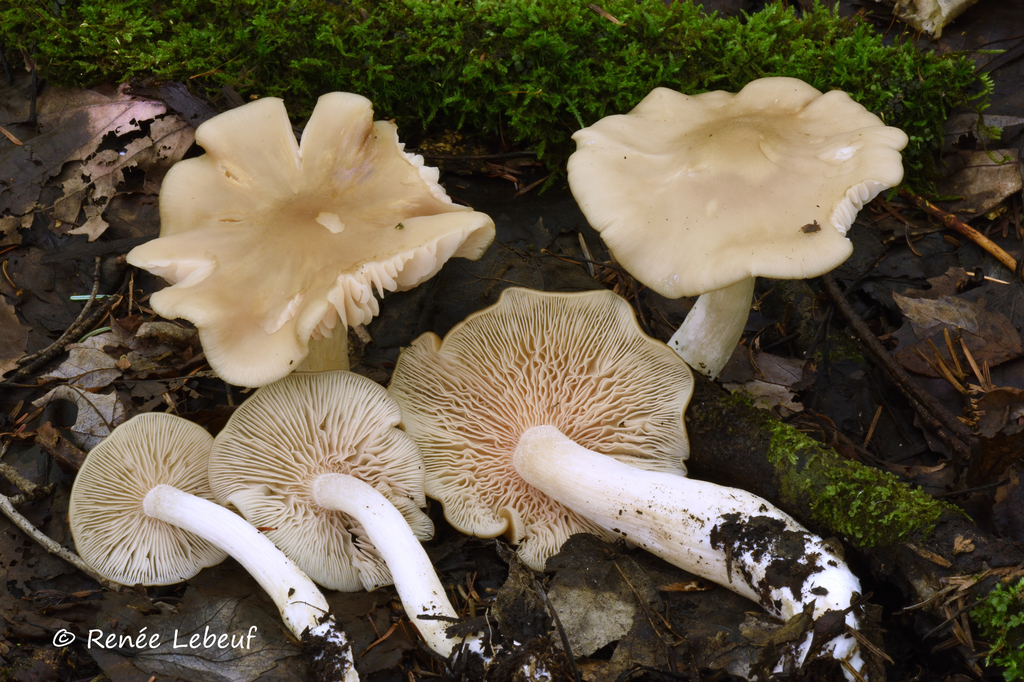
(577, 361)
(269, 243)
(693, 193)
(112, 531)
(302, 427)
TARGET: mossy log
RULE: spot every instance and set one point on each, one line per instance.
(907, 537)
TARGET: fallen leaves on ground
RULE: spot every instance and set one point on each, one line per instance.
(988, 334)
(93, 146)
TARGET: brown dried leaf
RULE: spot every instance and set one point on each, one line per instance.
(255, 646)
(86, 368)
(75, 124)
(1008, 510)
(771, 380)
(989, 334)
(927, 314)
(98, 413)
(984, 179)
(13, 337)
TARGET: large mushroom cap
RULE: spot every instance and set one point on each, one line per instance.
(269, 242)
(695, 193)
(301, 427)
(576, 361)
(112, 532)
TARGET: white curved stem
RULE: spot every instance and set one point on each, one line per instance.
(414, 577)
(691, 524)
(713, 327)
(298, 598)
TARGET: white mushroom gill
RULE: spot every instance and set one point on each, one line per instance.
(140, 513)
(489, 405)
(319, 460)
(268, 242)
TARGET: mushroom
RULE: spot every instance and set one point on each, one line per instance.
(552, 414)
(318, 458)
(699, 194)
(142, 512)
(269, 243)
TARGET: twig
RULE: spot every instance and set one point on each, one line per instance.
(84, 321)
(561, 631)
(74, 325)
(7, 507)
(953, 223)
(950, 429)
(52, 547)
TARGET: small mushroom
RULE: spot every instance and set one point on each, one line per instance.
(552, 414)
(269, 243)
(319, 459)
(141, 512)
(696, 195)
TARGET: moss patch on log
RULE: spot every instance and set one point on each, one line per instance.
(868, 506)
(529, 72)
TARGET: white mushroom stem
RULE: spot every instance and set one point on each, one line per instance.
(696, 526)
(713, 327)
(301, 604)
(423, 597)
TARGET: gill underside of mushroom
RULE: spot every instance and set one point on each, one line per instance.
(726, 535)
(302, 605)
(713, 327)
(423, 597)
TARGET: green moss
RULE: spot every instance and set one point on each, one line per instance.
(528, 71)
(1000, 618)
(842, 347)
(868, 506)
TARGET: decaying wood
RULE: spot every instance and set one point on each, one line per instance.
(730, 443)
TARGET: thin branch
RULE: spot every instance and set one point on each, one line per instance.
(951, 222)
(950, 429)
(8, 509)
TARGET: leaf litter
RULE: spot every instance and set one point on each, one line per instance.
(92, 169)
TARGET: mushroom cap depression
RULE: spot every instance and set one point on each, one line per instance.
(112, 532)
(268, 242)
(295, 429)
(692, 193)
(577, 361)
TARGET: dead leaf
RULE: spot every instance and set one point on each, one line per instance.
(98, 414)
(9, 226)
(88, 140)
(594, 605)
(989, 335)
(1008, 510)
(86, 368)
(984, 179)
(926, 314)
(999, 408)
(13, 337)
(771, 380)
(962, 545)
(188, 639)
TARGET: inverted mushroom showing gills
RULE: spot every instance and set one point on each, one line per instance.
(551, 414)
(696, 195)
(142, 512)
(269, 243)
(318, 459)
